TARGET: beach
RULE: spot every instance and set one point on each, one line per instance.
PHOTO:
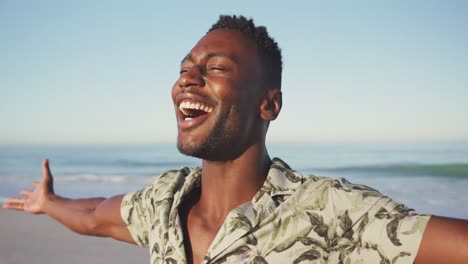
(430, 178)
(26, 238)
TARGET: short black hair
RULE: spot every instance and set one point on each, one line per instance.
(267, 47)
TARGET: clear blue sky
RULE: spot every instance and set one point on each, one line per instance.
(354, 71)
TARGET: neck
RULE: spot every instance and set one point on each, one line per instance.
(228, 184)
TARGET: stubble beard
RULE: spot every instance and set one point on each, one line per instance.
(222, 144)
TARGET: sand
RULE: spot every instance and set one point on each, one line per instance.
(26, 238)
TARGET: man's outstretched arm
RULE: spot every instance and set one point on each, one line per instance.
(94, 216)
(445, 240)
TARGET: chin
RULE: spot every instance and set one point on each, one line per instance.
(198, 151)
(213, 149)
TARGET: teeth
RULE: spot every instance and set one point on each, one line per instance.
(197, 106)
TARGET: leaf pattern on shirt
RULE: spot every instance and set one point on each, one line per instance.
(240, 222)
(292, 219)
(346, 224)
(241, 251)
(311, 254)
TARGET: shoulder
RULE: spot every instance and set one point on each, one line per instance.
(141, 209)
(360, 223)
(344, 193)
(366, 224)
(173, 179)
(162, 187)
(350, 205)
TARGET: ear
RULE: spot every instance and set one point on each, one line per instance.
(271, 104)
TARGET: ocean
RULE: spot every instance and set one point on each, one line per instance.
(430, 178)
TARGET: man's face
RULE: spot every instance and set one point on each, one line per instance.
(217, 97)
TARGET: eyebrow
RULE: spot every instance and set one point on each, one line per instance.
(210, 55)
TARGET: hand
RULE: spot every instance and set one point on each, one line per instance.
(33, 201)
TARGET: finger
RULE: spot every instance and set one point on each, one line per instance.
(15, 200)
(46, 174)
(35, 184)
(26, 192)
(14, 206)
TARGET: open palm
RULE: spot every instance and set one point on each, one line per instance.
(33, 200)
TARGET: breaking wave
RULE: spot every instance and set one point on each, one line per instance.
(450, 170)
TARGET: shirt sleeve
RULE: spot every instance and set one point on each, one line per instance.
(144, 210)
(376, 229)
(135, 216)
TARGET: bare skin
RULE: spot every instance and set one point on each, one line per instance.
(218, 70)
(243, 102)
(94, 216)
(445, 240)
(204, 218)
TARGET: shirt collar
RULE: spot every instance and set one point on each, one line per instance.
(281, 181)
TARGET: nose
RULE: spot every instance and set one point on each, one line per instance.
(193, 76)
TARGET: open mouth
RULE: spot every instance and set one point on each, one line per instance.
(191, 109)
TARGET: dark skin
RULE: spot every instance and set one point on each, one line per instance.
(226, 77)
(243, 103)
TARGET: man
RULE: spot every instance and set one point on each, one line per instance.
(241, 206)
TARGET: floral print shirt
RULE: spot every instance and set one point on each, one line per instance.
(293, 218)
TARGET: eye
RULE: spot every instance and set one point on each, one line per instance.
(183, 70)
(216, 68)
